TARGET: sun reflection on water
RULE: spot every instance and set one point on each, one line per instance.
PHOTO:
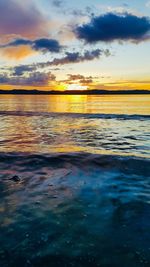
(48, 124)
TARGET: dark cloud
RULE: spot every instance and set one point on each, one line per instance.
(3, 78)
(86, 81)
(74, 77)
(43, 44)
(33, 79)
(111, 26)
(81, 78)
(39, 78)
(75, 57)
(20, 70)
(21, 18)
(18, 42)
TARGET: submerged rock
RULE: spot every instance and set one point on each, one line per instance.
(15, 178)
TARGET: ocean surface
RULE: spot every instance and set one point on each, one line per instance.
(74, 181)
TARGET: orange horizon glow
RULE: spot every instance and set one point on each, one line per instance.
(67, 87)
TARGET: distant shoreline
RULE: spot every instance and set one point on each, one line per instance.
(74, 92)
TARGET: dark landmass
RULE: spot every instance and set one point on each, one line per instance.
(74, 92)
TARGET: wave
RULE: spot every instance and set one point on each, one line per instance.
(77, 115)
(64, 176)
(68, 209)
(81, 160)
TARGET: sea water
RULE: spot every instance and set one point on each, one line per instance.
(82, 197)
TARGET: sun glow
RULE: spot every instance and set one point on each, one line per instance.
(76, 87)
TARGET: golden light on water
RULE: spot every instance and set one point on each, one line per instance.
(59, 124)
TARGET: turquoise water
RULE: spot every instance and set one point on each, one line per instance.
(82, 197)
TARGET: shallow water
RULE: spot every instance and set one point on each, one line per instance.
(83, 198)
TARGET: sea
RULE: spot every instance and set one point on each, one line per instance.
(74, 180)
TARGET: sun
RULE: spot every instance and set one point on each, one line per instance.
(76, 87)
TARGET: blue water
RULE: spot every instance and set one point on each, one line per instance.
(82, 197)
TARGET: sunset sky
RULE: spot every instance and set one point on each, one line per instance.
(82, 44)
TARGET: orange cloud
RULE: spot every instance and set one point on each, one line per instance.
(17, 53)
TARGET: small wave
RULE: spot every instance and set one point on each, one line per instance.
(81, 160)
(76, 115)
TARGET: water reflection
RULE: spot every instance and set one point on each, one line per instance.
(118, 104)
(51, 124)
(66, 134)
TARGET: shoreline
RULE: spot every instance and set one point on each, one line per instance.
(74, 92)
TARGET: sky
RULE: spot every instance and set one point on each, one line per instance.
(69, 45)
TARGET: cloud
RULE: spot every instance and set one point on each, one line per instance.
(17, 53)
(21, 18)
(43, 44)
(22, 69)
(74, 77)
(79, 79)
(75, 57)
(33, 79)
(86, 81)
(3, 79)
(58, 3)
(18, 42)
(68, 58)
(112, 26)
